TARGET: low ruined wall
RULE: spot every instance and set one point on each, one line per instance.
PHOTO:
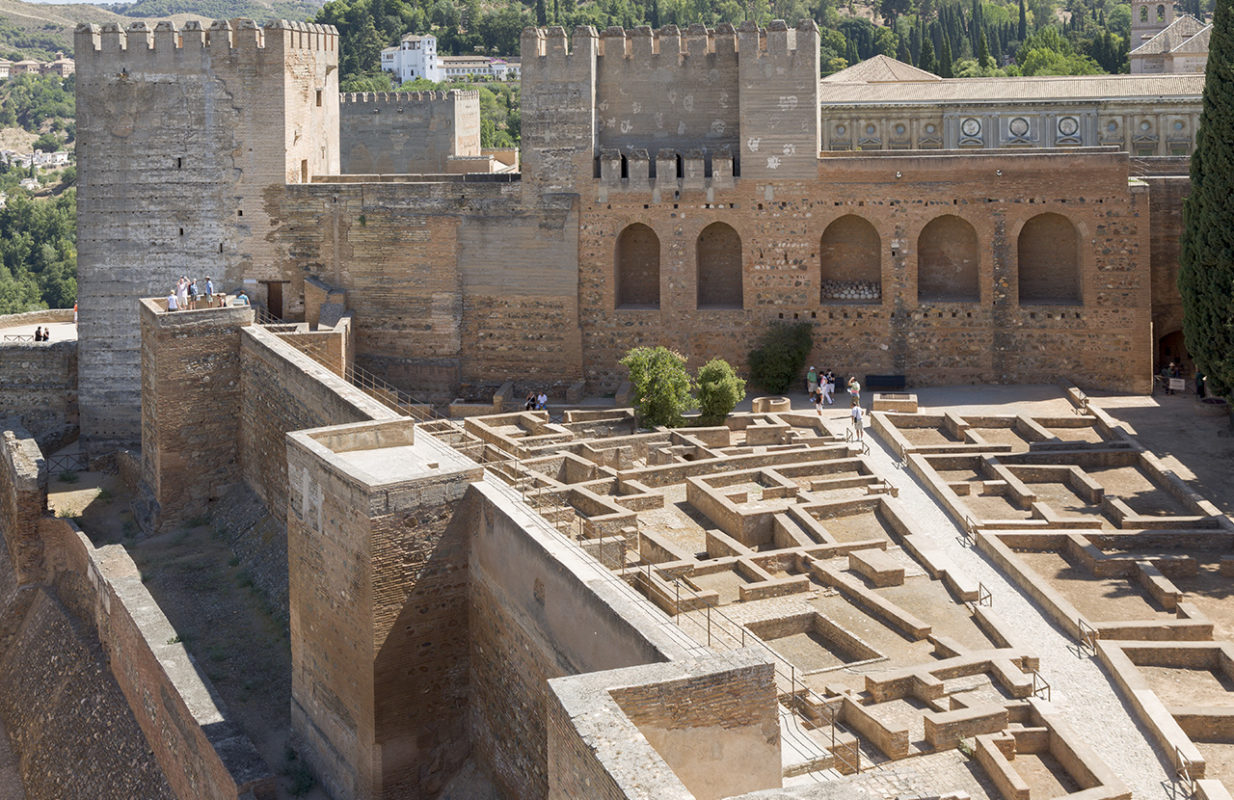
(23, 499)
(284, 390)
(537, 612)
(40, 383)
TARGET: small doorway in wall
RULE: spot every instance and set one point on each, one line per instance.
(274, 297)
(1171, 347)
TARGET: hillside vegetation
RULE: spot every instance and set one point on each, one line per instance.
(954, 38)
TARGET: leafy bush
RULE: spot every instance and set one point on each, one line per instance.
(719, 391)
(661, 385)
(780, 355)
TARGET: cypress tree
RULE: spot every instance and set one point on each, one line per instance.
(1206, 277)
(944, 60)
(927, 56)
(983, 53)
(1022, 33)
(902, 53)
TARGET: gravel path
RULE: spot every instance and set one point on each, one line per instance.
(1082, 693)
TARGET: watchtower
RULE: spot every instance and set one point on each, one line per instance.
(180, 133)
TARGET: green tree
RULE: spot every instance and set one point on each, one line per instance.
(719, 391)
(1022, 30)
(983, 53)
(780, 355)
(927, 56)
(1206, 277)
(661, 385)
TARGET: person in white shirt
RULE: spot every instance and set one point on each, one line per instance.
(171, 301)
(858, 417)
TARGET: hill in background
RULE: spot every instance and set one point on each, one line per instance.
(30, 30)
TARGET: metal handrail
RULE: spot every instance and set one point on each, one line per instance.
(18, 337)
(1041, 686)
(1088, 635)
(1182, 771)
(984, 598)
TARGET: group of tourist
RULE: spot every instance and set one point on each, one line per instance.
(41, 334)
(184, 295)
(536, 402)
(821, 387)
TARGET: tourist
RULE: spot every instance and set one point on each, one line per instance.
(38, 334)
(209, 292)
(817, 396)
(854, 390)
(47, 334)
(541, 401)
(182, 293)
(858, 418)
(811, 381)
(74, 313)
(828, 385)
(531, 402)
(171, 300)
(242, 299)
(193, 295)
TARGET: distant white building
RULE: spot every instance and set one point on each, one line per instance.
(414, 57)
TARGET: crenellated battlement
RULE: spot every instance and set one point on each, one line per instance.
(748, 39)
(382, 99)
(222, 37)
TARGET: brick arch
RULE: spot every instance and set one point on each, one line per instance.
(850, 261)
(718, 258)
(636, 268)
(948, 261)
(1048, 256)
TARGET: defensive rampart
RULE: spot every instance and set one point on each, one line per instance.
(408, 132)
(40, 379)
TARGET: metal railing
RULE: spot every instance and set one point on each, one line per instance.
(19, 337)
(850, 436)
(67, 462)
(984, 598)
(1088, 635)
(968, 530)
(1183, 771)
(1041, 687)
(720, 629)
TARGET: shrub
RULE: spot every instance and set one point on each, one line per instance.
(661, 385)
(719, 391)
(780, 355)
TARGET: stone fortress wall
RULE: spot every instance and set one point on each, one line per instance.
(407, 132)
(672, 191)
(187, 131)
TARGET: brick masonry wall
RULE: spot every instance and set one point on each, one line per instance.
(719, 732)
(23, 500)
(533, 616)
(91, 674)
(69, 724)
(1103, 342)
(1166, 195)
(284, 390)
(407, 132)
(199, 749)
(445, 286)
(379, 679)
(40, 384)
(190, 398)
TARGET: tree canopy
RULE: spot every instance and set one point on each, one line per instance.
(1206, 278)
